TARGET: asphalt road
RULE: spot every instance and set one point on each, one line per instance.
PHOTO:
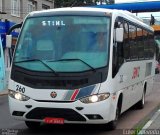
(128, 120)
(10, 126)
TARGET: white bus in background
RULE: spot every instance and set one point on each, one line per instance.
(80, 65)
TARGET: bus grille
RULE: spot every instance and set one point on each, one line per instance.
(67, 114)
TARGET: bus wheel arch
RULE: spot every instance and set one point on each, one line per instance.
(112, 125)
(119, 103)
(140, 104)
(145, 87)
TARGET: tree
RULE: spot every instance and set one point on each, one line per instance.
(104, 1)
(69, 3)
(73, 3)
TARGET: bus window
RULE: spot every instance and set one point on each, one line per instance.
(132, 37)
(140, 45)
(126, 42)
(145, 38)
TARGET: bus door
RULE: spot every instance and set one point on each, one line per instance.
(2, 68)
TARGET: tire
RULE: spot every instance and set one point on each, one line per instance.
(113, 124)
(156, 71)
(140, 104)
(32, 125)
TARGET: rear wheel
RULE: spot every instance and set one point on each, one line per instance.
(140, 104)
(32, 125)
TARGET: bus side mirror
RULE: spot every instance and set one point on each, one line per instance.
(8, 41)
(119, 34)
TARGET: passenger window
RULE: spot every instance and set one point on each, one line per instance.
(140, 45)
(132, 38)
(126, 42)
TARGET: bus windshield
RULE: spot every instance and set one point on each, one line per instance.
(84, 39)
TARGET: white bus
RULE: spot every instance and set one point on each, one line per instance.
(80, 65)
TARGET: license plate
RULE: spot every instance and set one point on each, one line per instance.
(49, 120)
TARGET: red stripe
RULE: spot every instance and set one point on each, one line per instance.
(73, 97)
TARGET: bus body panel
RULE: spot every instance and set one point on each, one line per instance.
(62, 94)
(131, 87)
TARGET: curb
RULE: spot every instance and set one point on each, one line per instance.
(3, 93)
(141, 124)
(154, 117)
(146, 119)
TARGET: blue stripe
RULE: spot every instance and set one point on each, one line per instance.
(85, 91)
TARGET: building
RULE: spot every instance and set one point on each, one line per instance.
(13, 12)
(16, 10)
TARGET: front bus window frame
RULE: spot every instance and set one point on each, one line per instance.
(82, 56)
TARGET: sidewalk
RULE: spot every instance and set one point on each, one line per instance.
(154, 122)
(153, 125)
(4, 92)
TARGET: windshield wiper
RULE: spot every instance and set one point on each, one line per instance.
(41, 62)
(93, 69)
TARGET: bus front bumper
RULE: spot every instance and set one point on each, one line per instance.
(71, 112)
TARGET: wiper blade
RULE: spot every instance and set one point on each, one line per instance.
(46, 65)
(93, 69)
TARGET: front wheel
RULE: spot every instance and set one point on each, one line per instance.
(33, 125)
(113, 124)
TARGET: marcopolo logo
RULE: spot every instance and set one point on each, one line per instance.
(53, 94)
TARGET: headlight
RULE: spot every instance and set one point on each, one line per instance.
(95, 98)
(17, 95)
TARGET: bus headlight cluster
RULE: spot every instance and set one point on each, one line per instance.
(95, 98)
(17, 95)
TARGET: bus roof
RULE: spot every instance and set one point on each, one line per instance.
(90, 10)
